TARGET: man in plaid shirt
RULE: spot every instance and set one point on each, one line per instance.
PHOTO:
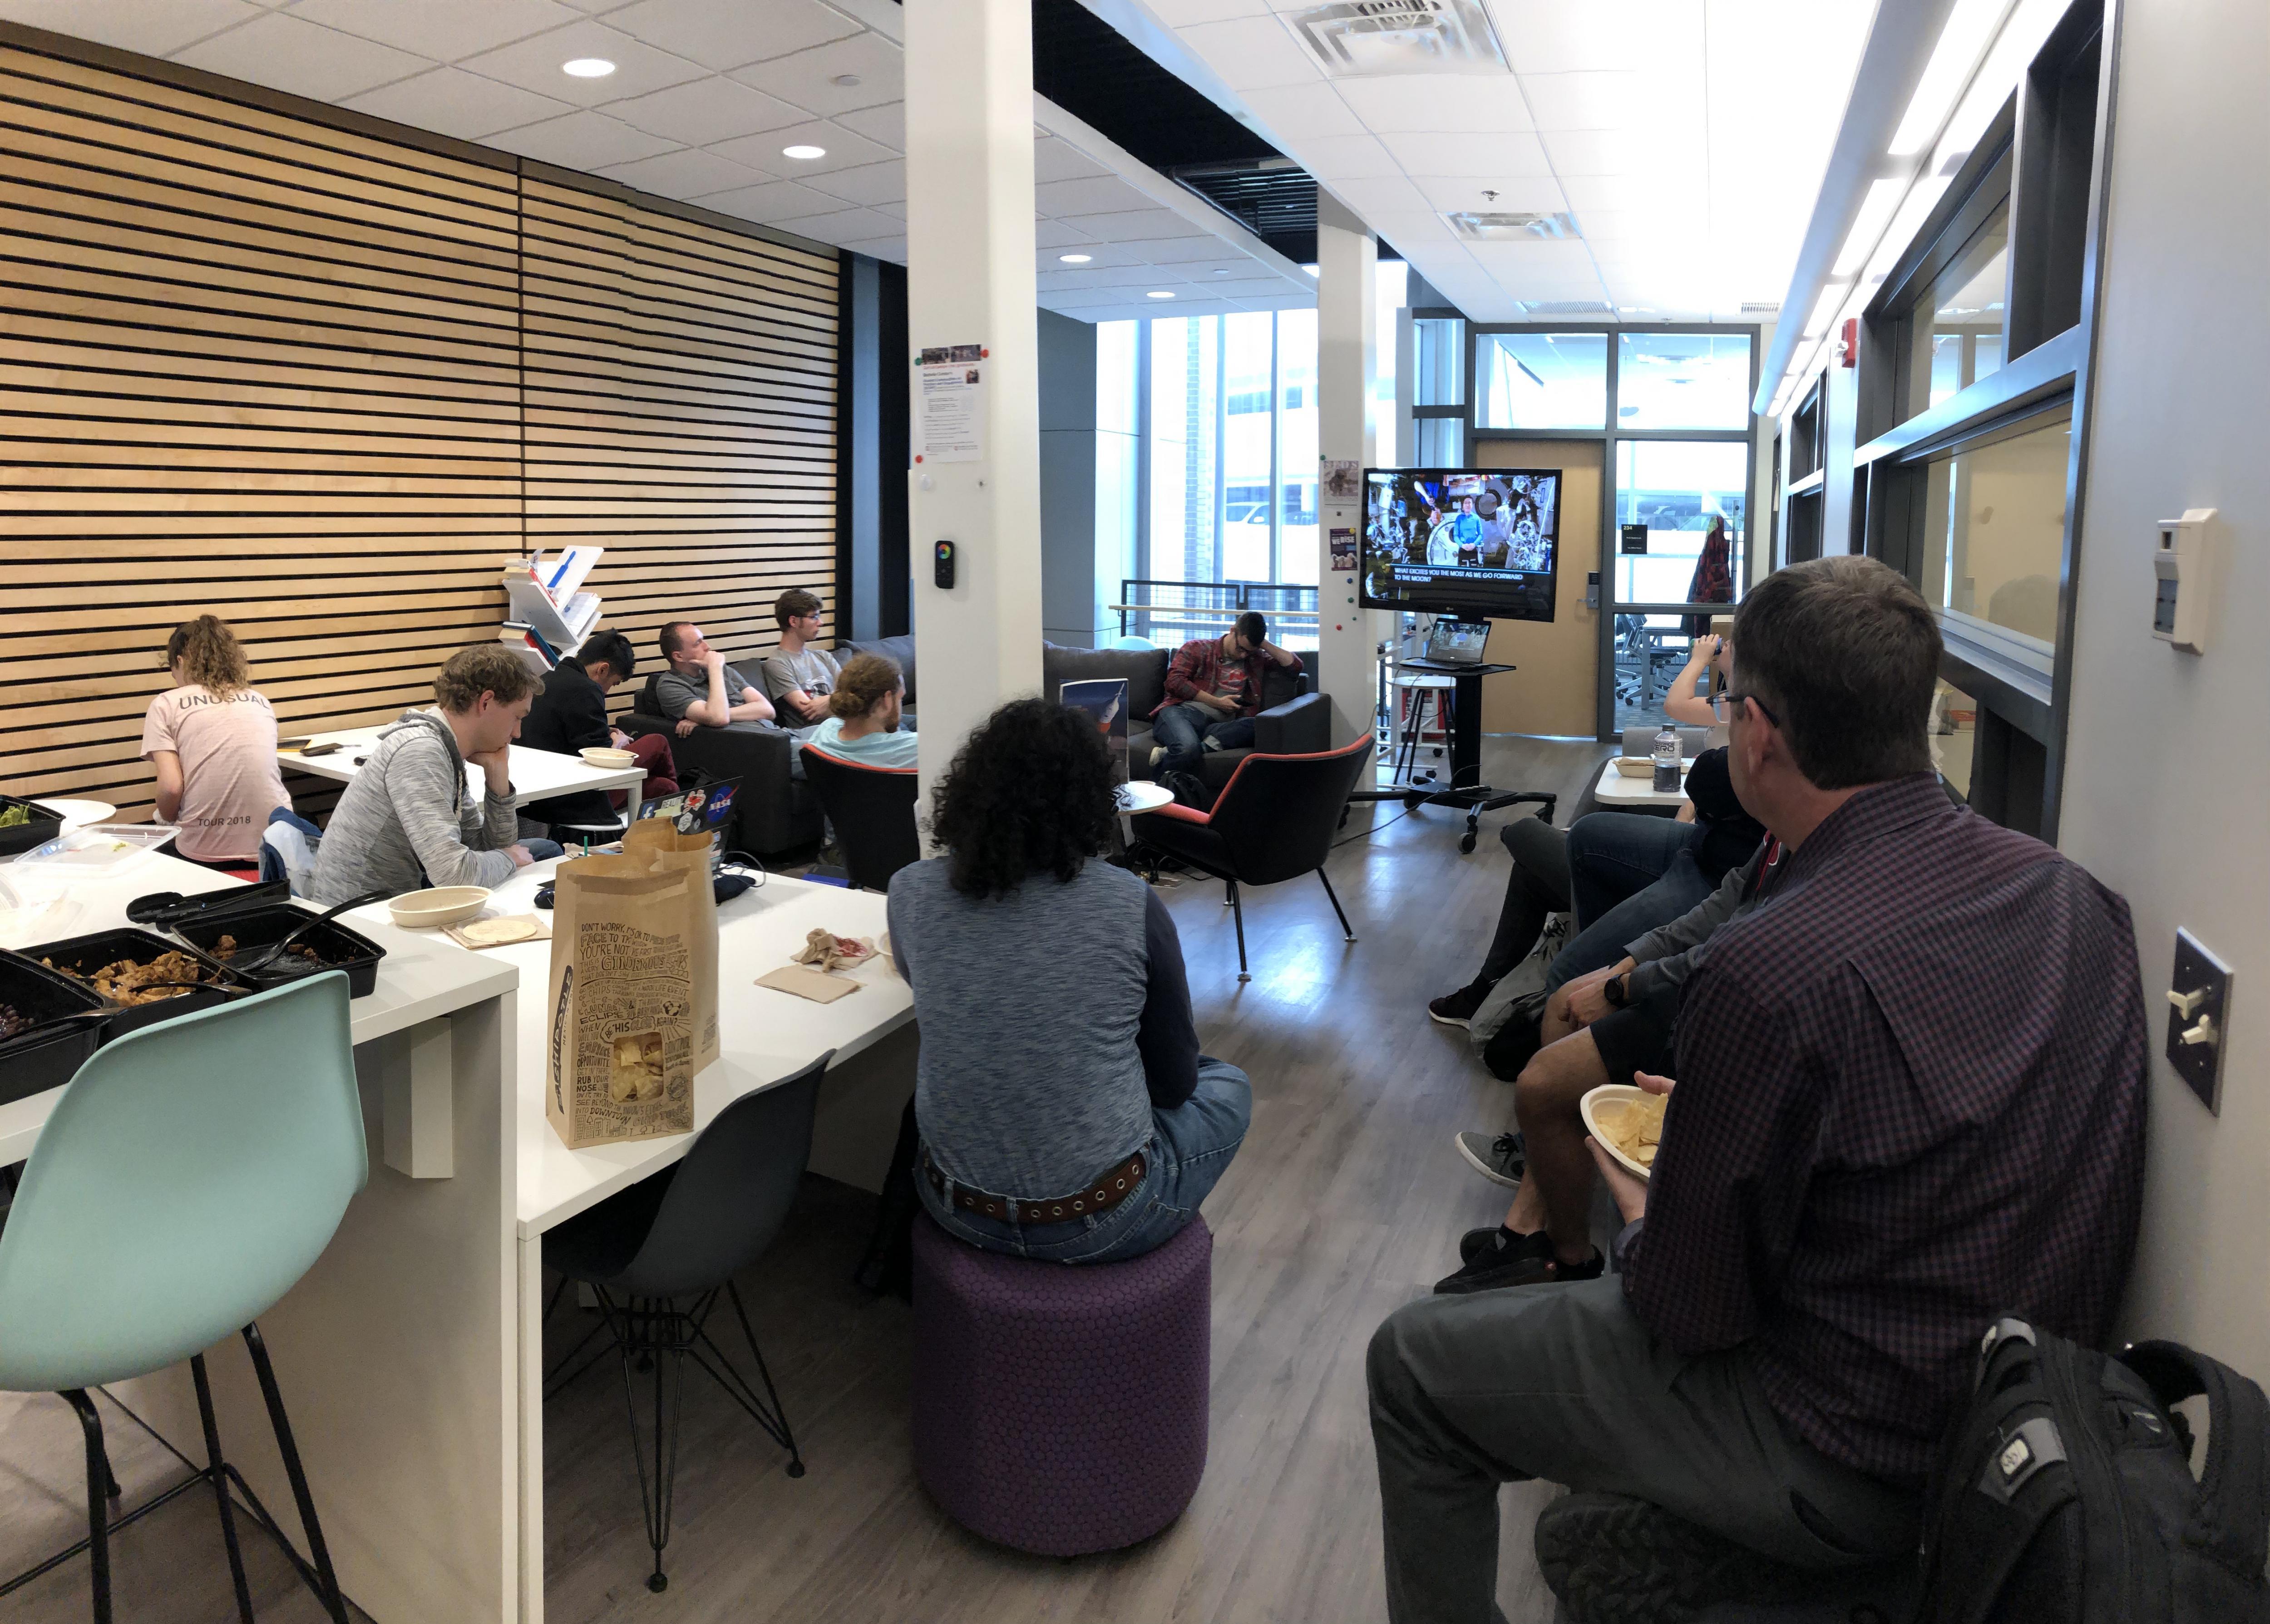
(1213, 690)
(1909, 1095)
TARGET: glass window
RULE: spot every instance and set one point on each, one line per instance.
(1116, 347)
(1438, 345)
(1117, 451)
(1682, 381)
(1247, 357)
(1185, 384)
(1541, 380)
(1439, 442)
(1994, 533)
(1958, 323)
(1296, 447)
(1680, 490)
(1954, 735)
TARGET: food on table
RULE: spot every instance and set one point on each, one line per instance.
(11, 1022)
(1636, 1127)
(496, 932)
(12, 816)
(636, 1070)
(131, 982)
(226, 949)
(831, 952)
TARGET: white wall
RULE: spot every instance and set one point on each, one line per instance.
(2167, 790)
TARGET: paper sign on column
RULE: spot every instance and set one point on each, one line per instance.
(950, 422)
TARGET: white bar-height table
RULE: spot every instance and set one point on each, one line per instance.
(397, 1352)
(1617, 793)
(536, 775)
(767, 1037)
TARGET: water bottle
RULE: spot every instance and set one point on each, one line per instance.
(1666, 760)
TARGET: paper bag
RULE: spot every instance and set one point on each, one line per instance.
(621, 1040)
(658, 841)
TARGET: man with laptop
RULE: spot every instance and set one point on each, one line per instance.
(1213, 691)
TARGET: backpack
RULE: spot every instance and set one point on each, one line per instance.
(2066, 1495)
(1517, 985)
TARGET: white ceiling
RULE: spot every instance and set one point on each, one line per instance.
(704, 96)
(1686, 136)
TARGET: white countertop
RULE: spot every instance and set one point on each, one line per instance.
(1615, 789)
(423, 975)
(767, 1036)
(536, 775)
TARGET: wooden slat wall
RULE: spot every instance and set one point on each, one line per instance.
(325, 385)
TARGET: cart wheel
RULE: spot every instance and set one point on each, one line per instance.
(1466, 842)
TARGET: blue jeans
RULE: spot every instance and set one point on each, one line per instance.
(1184, 729)
(1627, 874)
(1190, 1150)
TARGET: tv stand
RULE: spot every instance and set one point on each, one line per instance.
(1465, 788)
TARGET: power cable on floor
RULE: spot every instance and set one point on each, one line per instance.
(1374, 829)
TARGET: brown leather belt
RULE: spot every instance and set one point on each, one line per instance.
(1100, 1195)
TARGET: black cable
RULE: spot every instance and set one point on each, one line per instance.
(1374, 829)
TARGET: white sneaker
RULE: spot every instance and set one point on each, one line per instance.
(1158, 754)
(1210, 742)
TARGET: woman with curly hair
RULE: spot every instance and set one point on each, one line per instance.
(211, 739)
(1065, 1109)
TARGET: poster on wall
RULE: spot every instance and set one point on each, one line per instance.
(1339, 481)
(1343, 537)
(1632, 539)
(950, 422)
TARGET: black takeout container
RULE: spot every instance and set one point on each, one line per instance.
(256, 927)
(83, 955)
(29, 1064)
(43, 826)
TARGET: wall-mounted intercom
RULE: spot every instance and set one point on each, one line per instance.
(2183, 595)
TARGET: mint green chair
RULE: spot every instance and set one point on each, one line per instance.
(191, 1173)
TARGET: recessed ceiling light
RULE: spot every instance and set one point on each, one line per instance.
(804, 153)
(1159, 292)
(588, 68)
(848, 81)
(1074, 259)
(1221, 271)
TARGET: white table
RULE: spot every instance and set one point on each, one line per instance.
(1140, 794)
(536, 775)
(1617, 793)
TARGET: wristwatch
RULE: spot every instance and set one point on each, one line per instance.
(1616, 990)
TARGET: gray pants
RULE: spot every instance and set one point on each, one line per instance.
(1563, 1382)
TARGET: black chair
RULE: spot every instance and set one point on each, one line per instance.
(683, 1235)
(1272, 821)
(873, 811)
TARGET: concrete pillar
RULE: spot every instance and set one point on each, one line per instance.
(1346, 345)
(970, 280)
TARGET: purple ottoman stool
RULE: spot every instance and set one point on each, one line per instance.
(1061, 1409)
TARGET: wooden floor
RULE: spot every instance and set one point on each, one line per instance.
(1345, 1203)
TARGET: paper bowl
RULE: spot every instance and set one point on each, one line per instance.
(1635, 767)
(425, 910)
(614, 760)
(1615, 1096)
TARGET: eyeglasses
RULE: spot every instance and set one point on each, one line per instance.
(1724, 705)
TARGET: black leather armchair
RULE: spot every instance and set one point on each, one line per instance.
(1274, 820)
(774, 811)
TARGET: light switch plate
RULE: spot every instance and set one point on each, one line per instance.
(2200, 1065)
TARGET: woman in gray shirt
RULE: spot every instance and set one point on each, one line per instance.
(1065, 1111)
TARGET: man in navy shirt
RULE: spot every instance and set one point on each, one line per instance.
(1908, 1095)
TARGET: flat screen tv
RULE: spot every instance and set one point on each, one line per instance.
(1480, 544)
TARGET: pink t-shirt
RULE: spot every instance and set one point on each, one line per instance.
(230, 779)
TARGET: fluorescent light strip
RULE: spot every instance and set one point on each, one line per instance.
(1868, 225)
(1825, 308)
(2014, 49)
(1970, 27)
(1921, 200)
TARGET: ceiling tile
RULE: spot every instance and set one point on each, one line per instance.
(869, 183)
(1295, 111)
(1190, 247)
(774, 200)
(1251, 287)
(1519, 156)
(453, 102)
(1472, 104)
(843, 149)
(686, 172)
(1551, 36)
(1059, 160)
(843, 225)
(1382, 193)
(1183, 13)
(895, 211)
(285, 54)
(1056, 235)
(808, 77)
(581, 140)
(704, 111)
(1251, 53)
(1592, 100)
(1104, 194)
(893, 248)
(1603, 151)
(885, 126)
(1332, 157)
(729, 33)
(1100, 254)
(534, 65)
(443, 30)
(1462, 191)
(1087, 299)
(1064, 277)
(154, 27)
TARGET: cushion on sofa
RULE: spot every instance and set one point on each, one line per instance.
(1145, 670)
(900, 650)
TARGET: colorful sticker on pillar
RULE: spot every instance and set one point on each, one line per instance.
(1343, 546)
(950, 421)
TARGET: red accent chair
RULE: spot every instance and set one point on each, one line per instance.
(1273, 820)
(873, 811)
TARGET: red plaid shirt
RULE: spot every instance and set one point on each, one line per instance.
(1196, 668)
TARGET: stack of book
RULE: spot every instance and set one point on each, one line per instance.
(550, 617)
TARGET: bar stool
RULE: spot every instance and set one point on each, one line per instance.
(190, 1173)
(1417, 687)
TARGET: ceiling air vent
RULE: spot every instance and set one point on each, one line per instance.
(1762, 309)
(1513, 228)
(1360, 37)
(1566, 306)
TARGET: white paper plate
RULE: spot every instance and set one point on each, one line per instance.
(426, 910)
(1614, 1095)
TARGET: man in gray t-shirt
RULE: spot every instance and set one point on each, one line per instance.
(700, 688)
(802, 675)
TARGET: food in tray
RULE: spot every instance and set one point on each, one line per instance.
(1635, 1128)
(129, 981)
(11, 1022)
(226, 949)
(12, 817)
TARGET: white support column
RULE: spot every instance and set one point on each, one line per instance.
(970, 281)
(1346, 345)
